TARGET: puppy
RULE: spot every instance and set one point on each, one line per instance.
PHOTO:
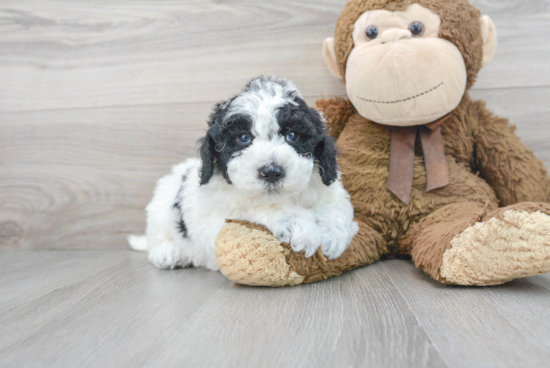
(266, 158)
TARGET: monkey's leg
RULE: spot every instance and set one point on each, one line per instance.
(461, 245)
(249, 254)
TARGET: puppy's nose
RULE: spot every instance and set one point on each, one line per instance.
(271, 173)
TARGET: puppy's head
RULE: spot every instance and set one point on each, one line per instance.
(267, 142)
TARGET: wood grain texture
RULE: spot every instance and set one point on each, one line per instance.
(131, 314)
(64, 54)
(503, 326)
(126, 313)
(48, 270)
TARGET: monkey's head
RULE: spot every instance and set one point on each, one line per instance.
(409, 62)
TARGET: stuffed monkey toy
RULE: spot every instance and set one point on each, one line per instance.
(432, 174)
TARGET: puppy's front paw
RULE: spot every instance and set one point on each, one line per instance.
(301, 234)
(283, 231)
(336, 237)
(166, 256)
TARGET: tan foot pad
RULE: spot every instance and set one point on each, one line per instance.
(249, 254)
(512, 245)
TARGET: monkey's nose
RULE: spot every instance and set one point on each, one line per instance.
(271, 173)
(395, 34)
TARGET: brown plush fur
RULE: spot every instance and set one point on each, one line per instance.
(338, 111)
(431, 237)
(489, 167)
(528, 207)
(366, 248)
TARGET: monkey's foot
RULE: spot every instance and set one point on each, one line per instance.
(508, 244)
(249, 254)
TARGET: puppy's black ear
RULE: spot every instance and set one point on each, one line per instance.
(325, 154)
(325, 151)
(208, 143)
(208, 157)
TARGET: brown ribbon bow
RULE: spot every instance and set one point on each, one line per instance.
(400, 180)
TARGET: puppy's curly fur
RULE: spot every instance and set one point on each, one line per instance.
(266, 158)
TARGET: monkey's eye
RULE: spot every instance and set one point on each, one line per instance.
(372, 32)
(416, 28)
(244, 139)
(292, 137)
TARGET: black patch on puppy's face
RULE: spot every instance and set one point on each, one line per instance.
(221, 142)
(310, 130)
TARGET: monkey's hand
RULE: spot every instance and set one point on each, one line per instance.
(337, 112)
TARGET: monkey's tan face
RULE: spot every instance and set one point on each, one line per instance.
(400, 73)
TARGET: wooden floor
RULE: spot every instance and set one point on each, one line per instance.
(99, 99)
(101, 308)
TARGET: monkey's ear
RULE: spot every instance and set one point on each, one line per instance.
(489, 36)
(208, 156)
(330, 57)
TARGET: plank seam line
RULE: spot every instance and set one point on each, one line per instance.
(62, 286)
(132, 106)
(390, 277)
(214, 102)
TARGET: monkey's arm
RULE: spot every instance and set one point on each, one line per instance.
(337, 112)
(504, 162)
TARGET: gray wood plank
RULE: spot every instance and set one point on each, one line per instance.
(65, 54)
(77, 178)
(50, 323)
(27, 275)
(355, 320)
(503, 326)
(542, 281)
(135, 315)
(521, 60)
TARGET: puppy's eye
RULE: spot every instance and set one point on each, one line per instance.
(292, 137)
(244, 139)
(372, 32)
(416, 28)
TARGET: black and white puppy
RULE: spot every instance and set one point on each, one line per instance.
(266, 158)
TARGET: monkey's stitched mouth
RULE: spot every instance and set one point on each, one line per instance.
(406, 99)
